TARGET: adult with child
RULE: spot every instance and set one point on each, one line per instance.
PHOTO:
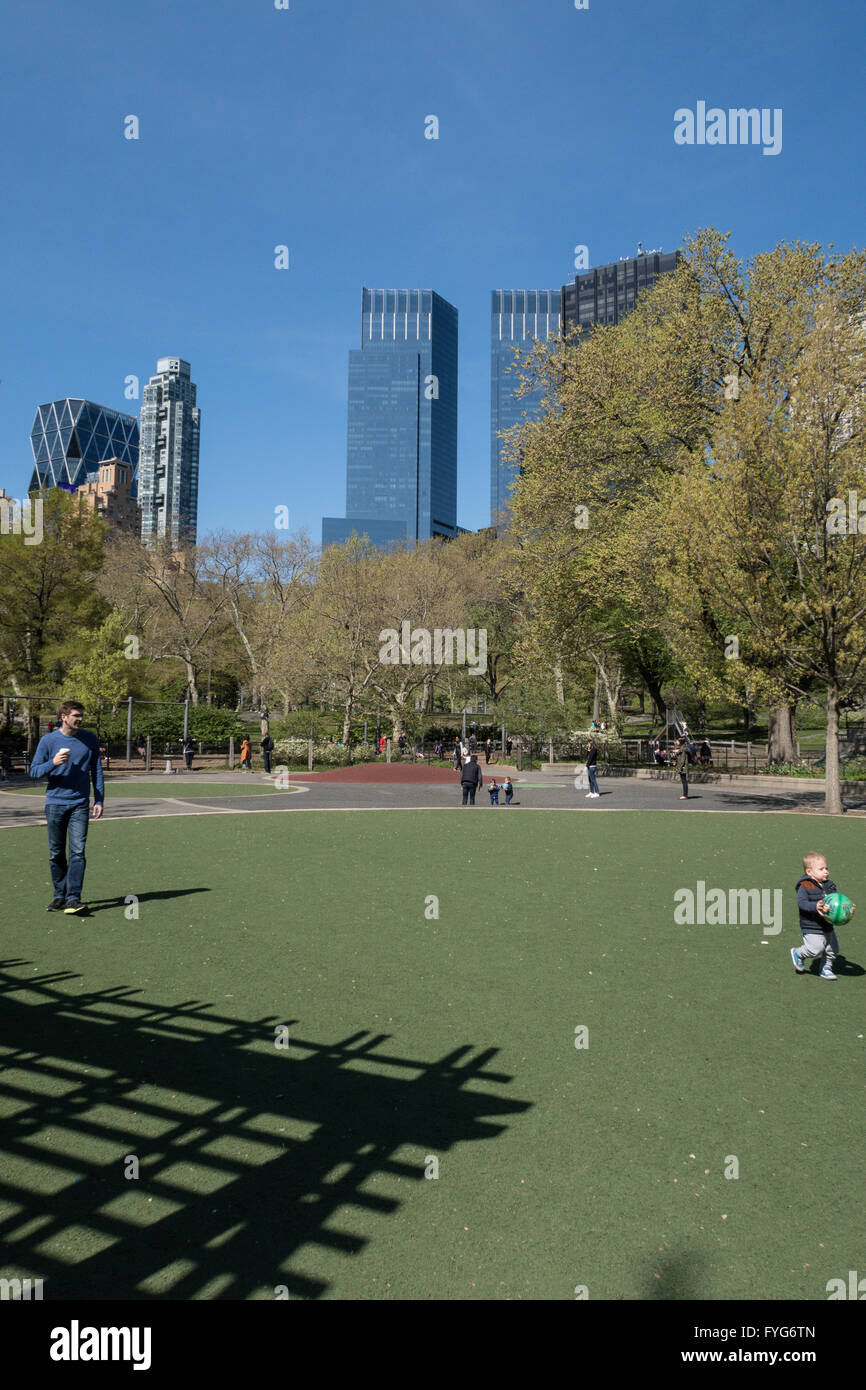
(69, 758)
(471, 780)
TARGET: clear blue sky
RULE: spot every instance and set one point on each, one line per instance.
(306, 127)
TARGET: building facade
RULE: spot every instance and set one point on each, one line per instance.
(168, 456)
(608, 292)
(517, 318)
(401, 458)
(70, 438)
(108, 492)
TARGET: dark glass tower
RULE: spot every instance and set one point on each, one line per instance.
(516, 318)
(607, 293)
(71, 437)
(401, 464)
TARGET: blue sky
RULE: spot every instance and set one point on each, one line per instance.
(305, 127)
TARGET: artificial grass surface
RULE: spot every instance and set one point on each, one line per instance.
(263, 1167)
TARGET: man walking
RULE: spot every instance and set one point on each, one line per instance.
(591, 768)
(470, 780)
(69, 758)
(681, 762)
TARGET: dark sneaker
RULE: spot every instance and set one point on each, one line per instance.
(56, 905)
(75, 907)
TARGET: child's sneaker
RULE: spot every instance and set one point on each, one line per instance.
(798, 960)
(827, 973)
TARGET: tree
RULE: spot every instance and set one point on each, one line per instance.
(48, 598)
(785, 555)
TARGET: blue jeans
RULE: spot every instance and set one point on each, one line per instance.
(468, 793)
(593, 782)
(67, 877)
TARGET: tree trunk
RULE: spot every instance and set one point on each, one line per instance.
(560, 684)
(596, 697)
(191, 682)
(347, 717)
(833, 795)
(396, 707)
(782, 736)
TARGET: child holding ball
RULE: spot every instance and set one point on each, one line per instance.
(819, 935)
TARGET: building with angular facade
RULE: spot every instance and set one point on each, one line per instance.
(70, 438)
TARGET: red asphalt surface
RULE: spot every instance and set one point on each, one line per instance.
(415, 773)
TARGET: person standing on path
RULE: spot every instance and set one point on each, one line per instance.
(488, 749)
(267, 750)
(681, 762)
(591, 765)
(470, 780)
(188, 750)
(246, 754)
(69, 758)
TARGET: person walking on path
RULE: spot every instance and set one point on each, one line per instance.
(488, 749)
(470, 780)
(458, 754)
(246, 754)
(681, 762)
(69, 758)
(267, 750)
(591, 765)
(188, 750)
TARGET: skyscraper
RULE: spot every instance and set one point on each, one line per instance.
(71, 437)
(607, 293)
(516, 318)
(168, 464)
(401, 462)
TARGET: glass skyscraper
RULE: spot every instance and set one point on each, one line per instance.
(168, 464)
(607, 293)
(516, 318)
(401, 463)
(71, 437)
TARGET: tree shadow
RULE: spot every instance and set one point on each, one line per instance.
(248, 1152)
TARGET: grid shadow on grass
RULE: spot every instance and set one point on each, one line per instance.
(251, 1157)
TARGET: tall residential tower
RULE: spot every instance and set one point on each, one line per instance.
(401, 464)
(168, 456)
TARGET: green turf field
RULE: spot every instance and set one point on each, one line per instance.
(414, 1038)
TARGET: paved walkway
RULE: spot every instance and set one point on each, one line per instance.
(325, 792)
